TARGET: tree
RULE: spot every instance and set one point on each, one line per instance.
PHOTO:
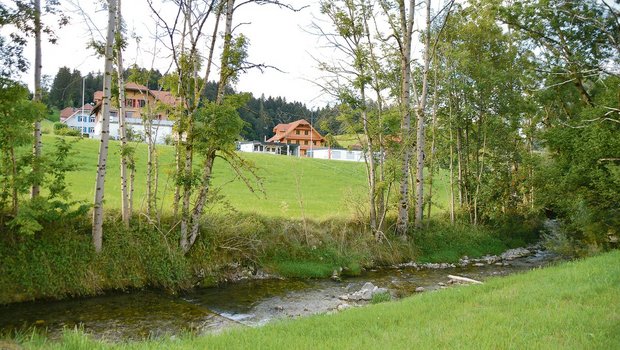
(119, 46)
(400, 15)
(351, 36)
(105, 135)
(16, 117)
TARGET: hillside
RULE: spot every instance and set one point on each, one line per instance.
(323, 188)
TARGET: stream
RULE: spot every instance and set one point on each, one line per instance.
(143, 314)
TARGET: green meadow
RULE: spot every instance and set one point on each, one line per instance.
(291, 187)
(570, 306)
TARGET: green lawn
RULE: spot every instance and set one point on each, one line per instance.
(323, 188)
(570, 306)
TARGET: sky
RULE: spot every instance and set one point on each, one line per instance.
(278, 37)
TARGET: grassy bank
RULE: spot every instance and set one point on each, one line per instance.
(570, 306)
(60, 262)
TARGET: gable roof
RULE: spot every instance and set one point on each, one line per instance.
(66, 113)
(136, 87)
(289, 128)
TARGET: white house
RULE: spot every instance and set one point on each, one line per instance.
(337, 154)
(81, 120)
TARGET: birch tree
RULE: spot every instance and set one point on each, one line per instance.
(105, 126)
(350, 79)
(122, 129)
(400, 16)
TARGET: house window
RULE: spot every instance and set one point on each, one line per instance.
(91, 119)
(296, 132)
(91, 130)
(79, 118)
(129, 114)
(306, 142)
(112, 113)
(306, 132)
(142, 103)
(314, 143)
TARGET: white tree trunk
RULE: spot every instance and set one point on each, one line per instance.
(105, 126)
(125, 206)
(406, 25)
(37, 145)
(420, 113)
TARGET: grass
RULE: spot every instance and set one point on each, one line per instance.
(570, 306)
(293, 187)
(322, 188)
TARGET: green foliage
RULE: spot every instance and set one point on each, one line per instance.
(17, 113)
(217, 127)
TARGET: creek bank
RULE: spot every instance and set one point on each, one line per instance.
(141, 314)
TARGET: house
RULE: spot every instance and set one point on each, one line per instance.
(140, 101)
(268, 147)
(80, 119)
(338, 154)
(300, 133)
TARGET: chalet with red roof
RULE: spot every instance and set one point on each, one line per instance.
(299, 133)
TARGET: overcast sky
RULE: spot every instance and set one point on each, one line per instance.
(278, 37)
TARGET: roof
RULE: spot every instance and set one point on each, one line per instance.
(66, 113)
(288, 128)
(164, 96)
(135, 86)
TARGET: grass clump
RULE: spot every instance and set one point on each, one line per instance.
(380, 298)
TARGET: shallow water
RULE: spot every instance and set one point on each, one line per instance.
(144, 314)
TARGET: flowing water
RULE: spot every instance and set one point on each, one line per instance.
(143, 314)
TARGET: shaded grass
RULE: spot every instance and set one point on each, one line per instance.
(570, 306)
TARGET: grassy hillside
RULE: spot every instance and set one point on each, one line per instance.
(571, 306)
(322, 188)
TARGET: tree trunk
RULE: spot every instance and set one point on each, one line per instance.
(201, 200)
(406, 21)
(420, 113)
(192, 223)
(15, 193)
(105, 126)
(431, 166)
(125, 213)
(37, 145)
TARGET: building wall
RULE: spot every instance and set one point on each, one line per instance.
(338, 154)
(305, 137)
(161, 129)
(83, 122)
